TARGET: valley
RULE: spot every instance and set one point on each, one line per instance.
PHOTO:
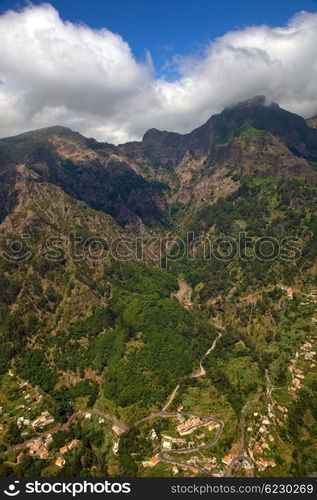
(158, 300)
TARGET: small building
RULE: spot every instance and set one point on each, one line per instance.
(153, 434)
(72, 444)
(227, 459)
(20, 457)
(60, 462)
(117, 430)
(167, 445)
(43, 454)
(154, 461)
(49, 439)
(63, 450)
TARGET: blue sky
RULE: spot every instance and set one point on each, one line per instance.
(168, 27)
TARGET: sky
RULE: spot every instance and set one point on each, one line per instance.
(111, 69)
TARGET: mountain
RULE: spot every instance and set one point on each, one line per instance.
(178, 271)
(312, 122)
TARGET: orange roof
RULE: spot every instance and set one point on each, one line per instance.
(59, 461)
(63, 449)
(43, 453)
(154, 460)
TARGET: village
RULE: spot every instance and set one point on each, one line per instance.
(190, 434)
(263, 432)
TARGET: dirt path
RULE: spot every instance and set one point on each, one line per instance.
(170, 399)
(201, 370)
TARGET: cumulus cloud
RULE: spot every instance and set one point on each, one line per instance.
(55, 72)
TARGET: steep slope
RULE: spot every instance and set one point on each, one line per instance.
(88, 171)
(90, 327)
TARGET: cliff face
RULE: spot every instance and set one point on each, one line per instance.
(137, 183)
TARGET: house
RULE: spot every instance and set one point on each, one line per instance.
(63, 450)
(153, 461)
(88, 416)
(167, 445)
(43, 454)
(115, 447)
(20, 457)
(101, 420)
(60, 462)
(261, 464)
(153, 434)
(212, 426)
(72, 444)
(227, 459)
(150, 463)
(49, 439)
(117, 430)
(175, 470)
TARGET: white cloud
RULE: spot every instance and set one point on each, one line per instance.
(55, 72)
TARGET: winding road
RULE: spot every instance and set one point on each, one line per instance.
(163, 455)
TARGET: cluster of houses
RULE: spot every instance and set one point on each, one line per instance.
(60, 462)
(38, 448)
(260, 444)
(306, 354)
(118, 431)
(167, 442)
(186, 427)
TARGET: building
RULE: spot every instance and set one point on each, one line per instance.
(227, 459)
(49, 439)
(153, 434)
(150, 463)
(212, 426)
(115, 447)
(60, 462)
(72, 444)
(63, 450)
(167, 445)
(189, 426)
(43, 454)
(20, 457)
(117, 430)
